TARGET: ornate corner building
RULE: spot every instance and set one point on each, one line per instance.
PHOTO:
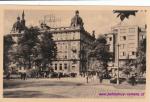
(72, 43)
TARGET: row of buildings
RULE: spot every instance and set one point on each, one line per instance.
(73, 41)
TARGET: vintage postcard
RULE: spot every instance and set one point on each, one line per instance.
(74, 52)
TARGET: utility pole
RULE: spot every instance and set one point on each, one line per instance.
(118, 66)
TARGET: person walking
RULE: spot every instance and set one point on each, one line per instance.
(133, 80)
(21, 75)
(24, 76)
(100, 77)
(8, 75)
(87, 78)
(59, 75)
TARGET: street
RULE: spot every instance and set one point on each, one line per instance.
(65, 88)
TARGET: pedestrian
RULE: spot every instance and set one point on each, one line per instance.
(24, 76)
(100, 78)
(21, 75)
(87, 79)
(8, 75)
(133, 80)
(59, 75)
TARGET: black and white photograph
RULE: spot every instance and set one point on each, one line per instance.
(74, 52)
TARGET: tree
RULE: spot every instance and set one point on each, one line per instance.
(48, 49)
(26, 43)
(8, 42)
(139, 63)
(100, 52)
(127, 66)
(122, 14)
(141, 57)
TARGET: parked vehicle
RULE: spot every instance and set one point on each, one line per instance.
(106, 76)
(141, 80)
(114, 80)
(54, 75)
(73, 74)
(138, 81)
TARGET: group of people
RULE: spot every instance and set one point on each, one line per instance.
(100, 77)
(23, 75)
(89, 76)
(92, 76)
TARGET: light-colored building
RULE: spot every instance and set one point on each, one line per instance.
(128, 39)
(125, 41)
(110, 38)
(72, 44)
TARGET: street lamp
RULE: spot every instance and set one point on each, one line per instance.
(118, 66)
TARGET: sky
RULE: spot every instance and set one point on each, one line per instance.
(99, 20)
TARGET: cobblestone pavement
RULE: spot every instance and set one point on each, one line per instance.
(68, 88)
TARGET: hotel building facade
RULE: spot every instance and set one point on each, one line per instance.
(71, 43)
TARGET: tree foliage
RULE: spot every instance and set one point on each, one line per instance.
(36, 49)
(26, 43)
(141, 57)
(101, 52)
(139, 63)
(8, 42)
(122, 14)
(48, 49)
(127, 67)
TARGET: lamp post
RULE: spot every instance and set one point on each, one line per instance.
(118, 66)
(87, 63)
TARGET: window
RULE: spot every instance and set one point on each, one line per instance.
(115, 30)
(131, 30)
(131, 45)
(60, 66)
(73, 36)
(65, 66)
(122, 53)
(55, 66)
(110, 39)
(143, 37)
(122, 30)
(122, 46)
(122, 38)
(133, 53)
(65, 57)
(61, 38)
(73, 67)
(131, 37)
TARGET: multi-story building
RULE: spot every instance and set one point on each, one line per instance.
(110, 38)
(72, 44)
(124, 40)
